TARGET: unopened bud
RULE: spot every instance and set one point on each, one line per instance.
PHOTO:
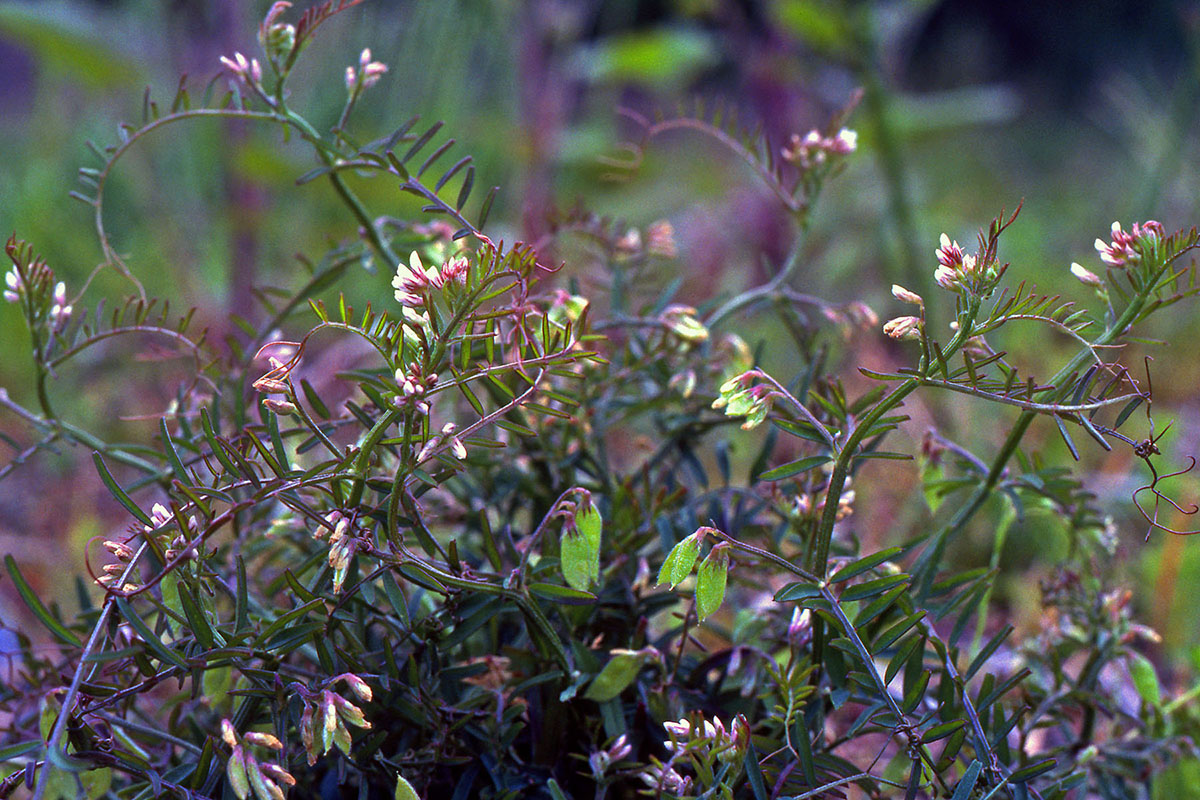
(358, 686)
(905, 296)
(1085, 276)
(279, 406)
(228, 734)
(263, 740)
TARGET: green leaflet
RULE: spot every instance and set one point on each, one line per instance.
(579, 549)
(710, 581)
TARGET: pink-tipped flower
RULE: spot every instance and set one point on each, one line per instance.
(903, 328)
(12, 280)
(351, 79)
(357, 685)
(950, 254)
(1085, 276)
(413, 282)
(844, 143)
(799, 629)
(372, 73)
(458, 448)
(159, 515)
(263, 740)
(905, 296)
(228, 734)
(279, 406)
(1126, 246)
(60, 310)
(455, 271)
(238, 65)
(620, 749)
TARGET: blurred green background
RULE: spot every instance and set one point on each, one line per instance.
(1085, 111)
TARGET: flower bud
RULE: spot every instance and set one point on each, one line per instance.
(905, 296)
(1085, 276)
(279, 406)
(903, 328)
(263, 740)
(228, 734)
(358, 686)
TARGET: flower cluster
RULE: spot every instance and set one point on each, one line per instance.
(413, 387)
(245, 772)
(710, 736)
(814, 149)
(447, 436)
(414, 281)
(804, 505)
(1126, 246)
(248, 70)
(955, 268)
(683, 321)
(123, 553)
(741, 397)
(601, 760)
(323, 721)
(368, 74)
(342, 545)
(15, 287)
(660, 777)
(160, 517)
(275, 382)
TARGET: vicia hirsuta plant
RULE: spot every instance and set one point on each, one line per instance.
(444, 585)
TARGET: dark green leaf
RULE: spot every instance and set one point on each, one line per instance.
(967, 784)
(562, 594)
(754, 774)
(620, 671)
(153, 642)
(866, 589)
(942, 731)
(863, 564)
(1033, 770)
(794, 468)
(60, 631)
(800, 590)
(117, 492)
(1062, 429)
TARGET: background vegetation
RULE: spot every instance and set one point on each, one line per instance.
(1087, 114)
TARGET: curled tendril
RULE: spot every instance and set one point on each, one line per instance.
(1144, 450)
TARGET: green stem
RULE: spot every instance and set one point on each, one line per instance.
(819, 552)
(925, 567)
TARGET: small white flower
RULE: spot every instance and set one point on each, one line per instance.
(846, 141)
(903, 328)
(905, 296)
(1085, 276)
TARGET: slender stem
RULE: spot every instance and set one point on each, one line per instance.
(763, 292)
(819, 553)
(68, 701)
(926, 565)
